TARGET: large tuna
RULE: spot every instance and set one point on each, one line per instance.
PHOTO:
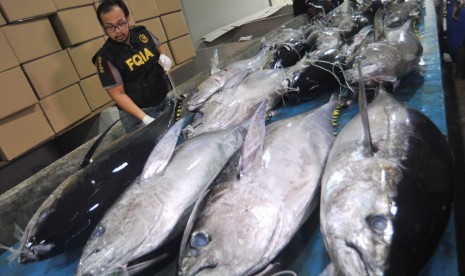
(232, 106)
(242, 224)
(68, 216)
(384, 209)
(155, 208)
(236, 70)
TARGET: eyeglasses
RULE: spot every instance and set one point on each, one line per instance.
(120, 26)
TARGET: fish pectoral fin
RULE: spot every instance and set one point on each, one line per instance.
(161, 154)
(138, 265)
(236, 80)
(252, 149)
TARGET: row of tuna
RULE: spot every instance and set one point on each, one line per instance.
(238, 189)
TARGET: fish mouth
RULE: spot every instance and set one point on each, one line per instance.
(359, 263)
(200, 269)
(34, 253)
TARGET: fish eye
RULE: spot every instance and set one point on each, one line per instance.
(199, 240)
(378, 223)
(44, 214)
(99, 230)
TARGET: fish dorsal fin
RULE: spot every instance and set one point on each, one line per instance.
(161, 154)
(362, 102)
(236, 80)
(252, 150)
(88, 158)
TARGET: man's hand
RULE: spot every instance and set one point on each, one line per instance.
(147, 119)
(165, 62)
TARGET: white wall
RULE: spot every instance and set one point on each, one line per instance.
(204, 16)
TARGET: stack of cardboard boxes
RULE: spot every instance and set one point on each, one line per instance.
(48, 83)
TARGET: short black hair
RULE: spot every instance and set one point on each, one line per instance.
(107, 5)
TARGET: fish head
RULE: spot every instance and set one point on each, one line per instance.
(360, 221)
(98, 258)
(231, 235)
(33, 252)
(382, 61)
(37, 241)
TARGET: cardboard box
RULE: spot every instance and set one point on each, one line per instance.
(23, 131)
(2, 20)
(167, 6)
(143, 9)
(95, 95)
(174, 25)
(14, 10)
(16, 93)
(51, 73)
(65, 4)
(7, 56)
(65, 107)
(77, 25)
(32, 39)
(168, 51)
(82, 57)
(131, 20)
(182, 49)
(155, 27)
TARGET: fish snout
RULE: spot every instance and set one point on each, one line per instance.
(27, 256)
(34, 252)
(201, 267)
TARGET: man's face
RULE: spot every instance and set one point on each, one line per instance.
(116, 24)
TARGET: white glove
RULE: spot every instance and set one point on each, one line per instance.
(165, 62)
(147, 119)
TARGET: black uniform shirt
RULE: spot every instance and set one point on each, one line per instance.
(135, 65)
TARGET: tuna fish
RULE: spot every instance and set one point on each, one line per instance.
(385, 203)
(322, 73)
(155, 208)
(232, 106)
(241, 224)
(406, 40)
(288, 53)
(216, 81)
(68, 216)
(395, 53)
(398, 12)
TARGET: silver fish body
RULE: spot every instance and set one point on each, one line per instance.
(215, 82)
(154, 210)
(242, 224)
(406, 40)
(232, 106)
(384, 213)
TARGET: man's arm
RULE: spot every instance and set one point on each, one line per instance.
(120, 97)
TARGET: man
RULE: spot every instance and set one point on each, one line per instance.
(128, 66)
